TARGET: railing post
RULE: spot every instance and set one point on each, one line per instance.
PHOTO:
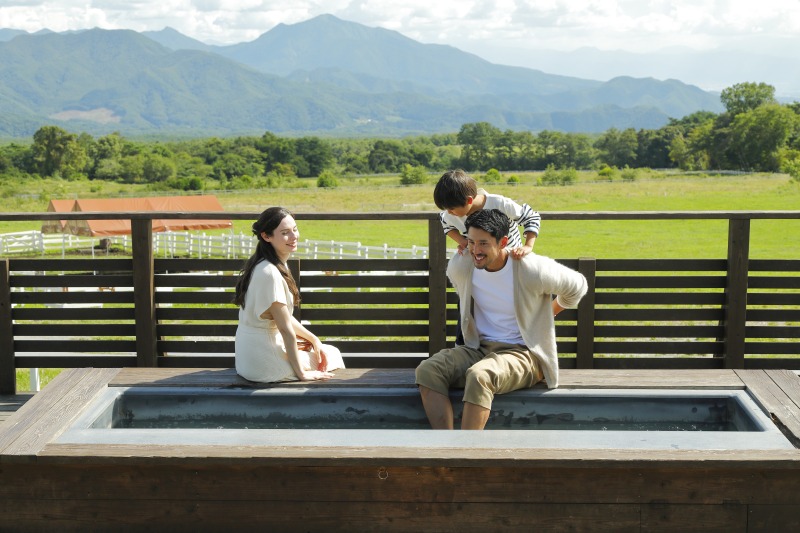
(144, 292)
(437, 287)
(294, 270)
(585, 341)
(8, 372)
(736, 291)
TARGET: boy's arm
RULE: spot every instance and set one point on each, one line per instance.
(460, 239)
(530, 220)
(453, 232)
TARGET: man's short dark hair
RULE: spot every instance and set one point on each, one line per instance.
(453, 188)
(492, 221)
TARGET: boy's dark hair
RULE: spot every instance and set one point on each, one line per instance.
(492, 221)
(453, 189)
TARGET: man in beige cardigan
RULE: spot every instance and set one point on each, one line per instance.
(507, 317)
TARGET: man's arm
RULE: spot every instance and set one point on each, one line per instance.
(566, 284)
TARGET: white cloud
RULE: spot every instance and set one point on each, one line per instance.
(637, 25)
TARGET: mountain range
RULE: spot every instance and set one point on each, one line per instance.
(324, 76)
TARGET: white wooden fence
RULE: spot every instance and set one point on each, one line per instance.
(186, 244)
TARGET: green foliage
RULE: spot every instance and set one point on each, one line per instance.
(552, 176)
(618, 148)
(492, 176)
(628, 174)
(413, 175)
(757, 136)
(54, 151)
(327, 179)
(513, 179)
(478, 141)
(607, 172)
(791, 164)
(744, 97)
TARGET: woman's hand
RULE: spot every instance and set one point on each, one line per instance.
(314, 375)
(323, 359)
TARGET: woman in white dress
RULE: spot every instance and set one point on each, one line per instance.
(268, 334)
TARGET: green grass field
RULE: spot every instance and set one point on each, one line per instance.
(774, 239)
(563, 239)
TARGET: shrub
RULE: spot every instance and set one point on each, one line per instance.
(327, 180)
(492, 176)
(513, 179)
(628, 174)
(411, 175)
(607, 172)
(551, 176)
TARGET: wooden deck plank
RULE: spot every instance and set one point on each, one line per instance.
(19, 421)
(775, 397)
(314, 516)
(45, 416)
(11, 403)
(396, 377)
(648, 379)
(690, 485)
(227, 378)
(312, 455)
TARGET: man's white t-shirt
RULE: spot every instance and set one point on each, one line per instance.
(493, 293)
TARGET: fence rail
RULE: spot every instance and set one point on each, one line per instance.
(188, 244)
(151, 310)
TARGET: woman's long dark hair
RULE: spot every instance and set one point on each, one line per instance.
(266, 223)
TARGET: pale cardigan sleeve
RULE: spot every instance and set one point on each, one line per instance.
(537, 279)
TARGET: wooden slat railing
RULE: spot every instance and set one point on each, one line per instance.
(732, 312)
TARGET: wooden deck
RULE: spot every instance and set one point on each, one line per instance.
(10, 403)
(45, 485)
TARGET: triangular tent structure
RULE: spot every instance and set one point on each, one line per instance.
(101, 228)
(57, 206)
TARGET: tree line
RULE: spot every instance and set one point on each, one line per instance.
(754, 133)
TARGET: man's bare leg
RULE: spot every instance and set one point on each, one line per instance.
(474, 416)
(437, 407)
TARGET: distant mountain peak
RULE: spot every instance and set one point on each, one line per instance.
(321, 75)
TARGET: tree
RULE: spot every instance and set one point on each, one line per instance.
(57, 151)
(478, 140)
(388, 156)
(747, 96)
(315, 153)
(157, 168)
(618, 148)
(758, 135)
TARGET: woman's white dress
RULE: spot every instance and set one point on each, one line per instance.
(260, 350)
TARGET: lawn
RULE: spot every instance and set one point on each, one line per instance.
(773, 239)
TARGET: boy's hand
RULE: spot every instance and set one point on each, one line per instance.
(522, 251)
(461, 247)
